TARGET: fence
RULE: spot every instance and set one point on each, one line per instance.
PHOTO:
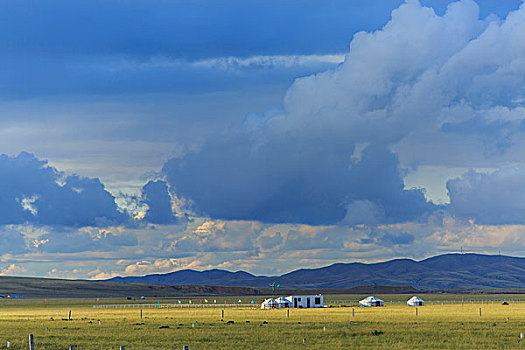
(431, 301)
(178, 306)
(326, 302)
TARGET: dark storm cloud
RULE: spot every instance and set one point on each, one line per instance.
(495, 199)
(33, 192)
(292, 181)
(155, 195)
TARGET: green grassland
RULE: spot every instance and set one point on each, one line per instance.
(437, 326)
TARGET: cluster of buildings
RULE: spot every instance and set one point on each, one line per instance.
(313, 301)
(373, 301)
(294, 301)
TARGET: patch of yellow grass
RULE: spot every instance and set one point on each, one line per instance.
(449, 326)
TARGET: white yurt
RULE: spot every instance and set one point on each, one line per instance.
(371, 302)
(268, 304)
(282, 302)
(415, 301)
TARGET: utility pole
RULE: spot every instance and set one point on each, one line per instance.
(274, 285)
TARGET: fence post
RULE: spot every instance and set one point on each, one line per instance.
(141, 314)
(222, 314)
(69, 316)
(479, 312)
(31, 342)
(287, 313)
(352, 312)
(416, 311)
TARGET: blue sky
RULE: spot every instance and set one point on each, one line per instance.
(150, 136)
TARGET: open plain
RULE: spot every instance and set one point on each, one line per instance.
(436, 326)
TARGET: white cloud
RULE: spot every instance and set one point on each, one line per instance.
(13, 270)
(234, 63)
(442, 92)
(228, 63)
(271, 249)
(145, 267)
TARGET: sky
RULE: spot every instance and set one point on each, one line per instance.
(150, 136)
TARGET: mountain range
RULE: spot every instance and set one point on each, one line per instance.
(442, 272)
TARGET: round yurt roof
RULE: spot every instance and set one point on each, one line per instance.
(269, 301)
(415, 298)
(371, 298)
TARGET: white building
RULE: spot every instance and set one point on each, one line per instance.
(415, 301)
(294, 301)
(371, 302)
(306, 301)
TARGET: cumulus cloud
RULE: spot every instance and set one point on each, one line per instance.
(33, 192)
(260, 249)
(143, 267)
(421, 75)
(218, 236)
(489, 198)
(13, 270)
(270, 240)
(232, 63)
(456, 233)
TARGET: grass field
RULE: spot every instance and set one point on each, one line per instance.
(448, 326)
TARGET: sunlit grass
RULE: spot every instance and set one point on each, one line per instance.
(449, 326)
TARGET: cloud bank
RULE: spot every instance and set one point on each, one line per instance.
(33, 192)
(321, 179)
(327, 156)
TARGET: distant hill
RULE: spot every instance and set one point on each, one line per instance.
(443, 272)
(31, 287)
